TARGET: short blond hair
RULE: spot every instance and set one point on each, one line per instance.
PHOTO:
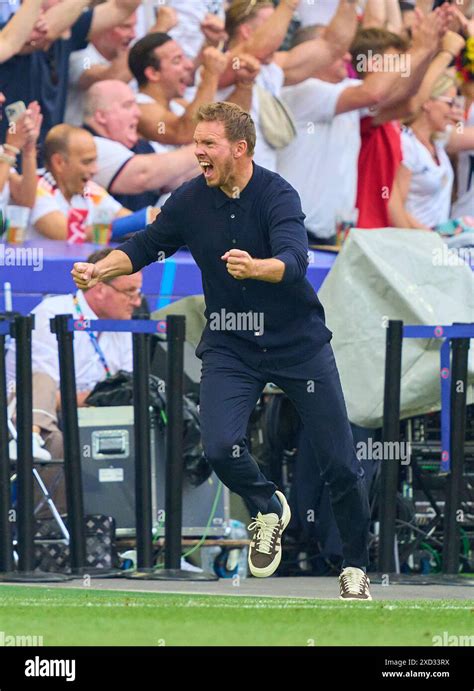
(237, 122)
(241, 11)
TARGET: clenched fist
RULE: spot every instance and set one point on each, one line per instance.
(240, 264)
(214, 62)
(85, 275)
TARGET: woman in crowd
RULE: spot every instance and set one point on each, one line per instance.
(422, 192)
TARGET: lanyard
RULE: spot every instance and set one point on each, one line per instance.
(93, 338)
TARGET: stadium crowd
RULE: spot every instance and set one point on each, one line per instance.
(365, 107)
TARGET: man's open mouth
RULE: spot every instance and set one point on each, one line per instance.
(207, 168)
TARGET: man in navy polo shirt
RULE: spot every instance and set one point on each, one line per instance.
(244, 226)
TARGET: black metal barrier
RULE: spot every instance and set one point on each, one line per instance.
(458, 336)
(20, 328)
(64, 327)
(6, 545)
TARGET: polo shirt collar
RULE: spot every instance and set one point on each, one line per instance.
(247, 195)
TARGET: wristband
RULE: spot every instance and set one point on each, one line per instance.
(129, 224)
(5, 158)
(13, 149)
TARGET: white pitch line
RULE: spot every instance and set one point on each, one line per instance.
(242, 605)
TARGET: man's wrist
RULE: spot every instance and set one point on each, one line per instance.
(291, 4)
(449, 52)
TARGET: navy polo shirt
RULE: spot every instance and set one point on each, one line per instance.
(266, 221)
(43, 76)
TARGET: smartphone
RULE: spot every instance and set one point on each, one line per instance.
(14, 111)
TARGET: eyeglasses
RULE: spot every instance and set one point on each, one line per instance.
(131, 293)
(451, 102)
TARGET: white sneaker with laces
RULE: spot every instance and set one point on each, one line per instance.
(354, 584)
(264, 555)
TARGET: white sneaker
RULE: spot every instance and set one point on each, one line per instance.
(38, 452)
(354, 584)
(264, 555)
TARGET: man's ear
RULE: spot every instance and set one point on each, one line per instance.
(99, 117)
(58, 161)
(152, 74)
(240, 148)
(245, 32)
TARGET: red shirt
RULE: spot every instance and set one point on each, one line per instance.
(379, 158)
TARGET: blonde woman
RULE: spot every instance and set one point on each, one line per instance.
(422, 192)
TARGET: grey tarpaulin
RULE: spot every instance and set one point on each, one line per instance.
(394, 274)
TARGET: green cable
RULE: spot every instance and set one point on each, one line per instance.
(434, 554)
(206, 529)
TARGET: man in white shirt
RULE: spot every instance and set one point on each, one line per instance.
(68, 202)
(162, 70)
(95, 359)
(128, 167)
(106, 57)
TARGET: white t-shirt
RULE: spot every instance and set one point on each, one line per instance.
(176, 108)
(117, 347)
(80, 212)
(429, 196)
(191, 13)
(312, 12)
(79, 61)
(190, 16)
(464, 205)
(321, 162)
(271, 78)
(111, 158)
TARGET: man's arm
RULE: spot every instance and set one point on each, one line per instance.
(159, 240)
(300, 62)
(241, 265)
(118, 69)
(451, 45)
(16, 32)
(63, 15)
(247, 72)
(110, 14)
(148, 172)
(180, 129)
(268, 38)
(87, 275)
(288, 242)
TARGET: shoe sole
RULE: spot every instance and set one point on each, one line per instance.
(271, 568)
(356, 599)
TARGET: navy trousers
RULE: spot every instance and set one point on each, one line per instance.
(230, 389)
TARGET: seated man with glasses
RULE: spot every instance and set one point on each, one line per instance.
(97, 356)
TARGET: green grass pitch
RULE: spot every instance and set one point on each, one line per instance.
(89, 617)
